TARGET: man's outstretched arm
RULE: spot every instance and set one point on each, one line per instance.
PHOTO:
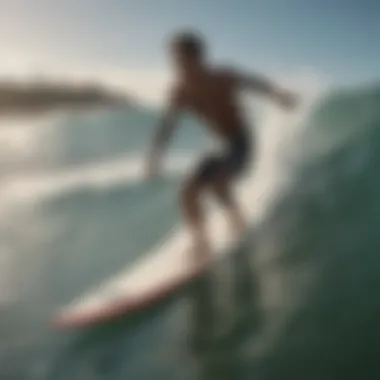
(260, 84)
(164, 132)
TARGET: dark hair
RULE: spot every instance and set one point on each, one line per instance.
(189, 43)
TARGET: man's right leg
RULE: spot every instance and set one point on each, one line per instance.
(204, 306)
(244, 287)
(191, 202)
(224, 194)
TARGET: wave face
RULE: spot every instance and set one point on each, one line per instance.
(75, 208)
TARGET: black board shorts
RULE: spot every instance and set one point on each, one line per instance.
(229, 164)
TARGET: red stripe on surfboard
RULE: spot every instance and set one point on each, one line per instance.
(124, 308)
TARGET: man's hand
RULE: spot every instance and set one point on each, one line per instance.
(164, 132)
(153, 167)
(288, 100)
(257, 83)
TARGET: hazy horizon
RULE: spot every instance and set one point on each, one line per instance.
(123, 42)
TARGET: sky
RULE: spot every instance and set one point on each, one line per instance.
(124, 40)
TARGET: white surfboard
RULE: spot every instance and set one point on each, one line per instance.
(156, 276)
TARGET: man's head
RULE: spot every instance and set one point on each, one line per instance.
(187, 51)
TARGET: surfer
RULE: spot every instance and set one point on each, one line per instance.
(212, 94)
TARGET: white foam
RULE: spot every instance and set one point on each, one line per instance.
(20, 138)
(37, 187)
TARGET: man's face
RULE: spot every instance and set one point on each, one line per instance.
(181, 60)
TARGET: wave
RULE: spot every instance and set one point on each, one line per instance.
(6, 280)
(317, 249)
(315, 253)
(97, 177)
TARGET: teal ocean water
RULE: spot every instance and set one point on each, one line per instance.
(74, 211)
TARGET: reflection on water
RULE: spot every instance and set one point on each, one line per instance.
(218, 329)
(215, 326)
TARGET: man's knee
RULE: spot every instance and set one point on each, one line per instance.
(223, 194)
(189, 194)
(190, 199)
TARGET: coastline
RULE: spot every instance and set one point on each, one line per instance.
(20, 100)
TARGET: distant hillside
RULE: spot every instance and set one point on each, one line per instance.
(18, 98)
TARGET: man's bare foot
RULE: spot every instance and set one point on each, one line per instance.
(238, 226)
(201, 253)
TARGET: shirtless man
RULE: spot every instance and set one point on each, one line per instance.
(210, 93)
